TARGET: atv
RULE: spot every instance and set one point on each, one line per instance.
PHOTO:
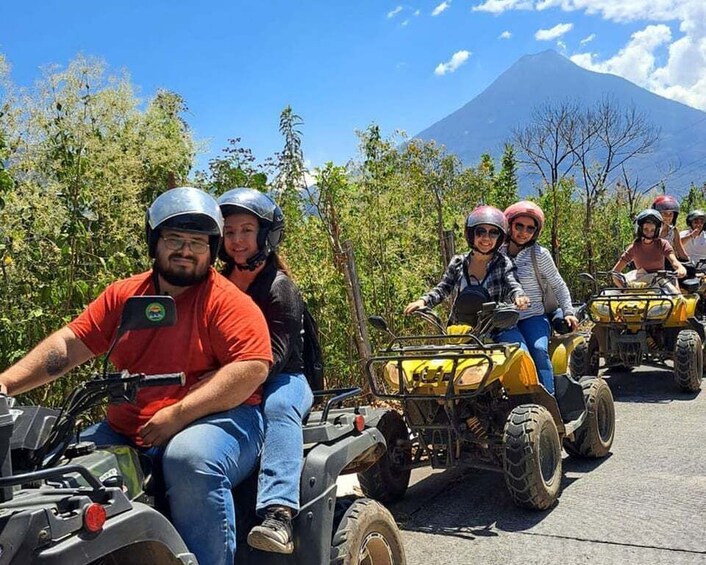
(467, 400)
(644, 324)
(65, 501)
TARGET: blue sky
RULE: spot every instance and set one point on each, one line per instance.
(344, 65)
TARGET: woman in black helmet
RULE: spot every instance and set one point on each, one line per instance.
(649, 251)
(254, 227)
(482, 270)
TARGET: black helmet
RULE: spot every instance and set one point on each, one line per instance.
(667, 203)
(691, 216)
(486, 215)
(648, 215)
(268, 213)
(187, 209)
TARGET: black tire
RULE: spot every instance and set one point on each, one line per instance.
(367, 535)
(388, 478)
(584, 359)
(688, 361)
(532, 457)
(595, 436)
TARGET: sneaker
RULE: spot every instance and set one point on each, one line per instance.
(275, 532)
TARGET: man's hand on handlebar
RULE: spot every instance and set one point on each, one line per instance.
(522, 302)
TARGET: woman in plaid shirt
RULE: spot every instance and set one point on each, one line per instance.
(483, 266)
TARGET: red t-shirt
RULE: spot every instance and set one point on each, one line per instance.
(648, 257)
(216, 325)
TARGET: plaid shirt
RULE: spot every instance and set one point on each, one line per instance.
(500, 280)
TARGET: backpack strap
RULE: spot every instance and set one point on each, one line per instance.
(535, 265)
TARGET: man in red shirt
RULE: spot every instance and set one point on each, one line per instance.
(209, 432)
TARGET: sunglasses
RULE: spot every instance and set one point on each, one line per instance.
(522, 227)
(492, 232)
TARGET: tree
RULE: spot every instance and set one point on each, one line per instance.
(505, 182)
(546, 145)
(166, 147)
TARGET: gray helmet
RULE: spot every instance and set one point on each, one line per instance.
(691, 216)
(187, 209)
(486, 215)
(648, 215)
(268, 213)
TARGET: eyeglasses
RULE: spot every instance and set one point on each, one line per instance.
(522, 227)
(177, 243)
(492, 232)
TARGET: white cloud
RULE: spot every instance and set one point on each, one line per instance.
(393, 13)
(553, 33)
(457, 59)
(505, 35)
(500, 6)
(441, 8)
(417, 13)
(588, 39)
(682, 75)
(561, 45)
(405, 23)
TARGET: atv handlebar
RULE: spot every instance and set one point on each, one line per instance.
(116, 387)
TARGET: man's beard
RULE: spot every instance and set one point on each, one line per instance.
(179, 279)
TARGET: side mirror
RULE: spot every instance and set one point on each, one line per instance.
(143, 313)
(379, 323)
(505, 318)
(147, 312)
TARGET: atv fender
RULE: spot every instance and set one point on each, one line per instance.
(560, 348)
(140, 536)
(314, 525)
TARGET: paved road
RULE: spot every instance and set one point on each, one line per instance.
(645, 504)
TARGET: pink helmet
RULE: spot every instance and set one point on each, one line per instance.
(526, 208)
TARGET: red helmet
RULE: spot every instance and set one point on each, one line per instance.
(486, 215)
(667, 203)
(526, 208)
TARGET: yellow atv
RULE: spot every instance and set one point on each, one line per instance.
(466, 400)
(644, 324)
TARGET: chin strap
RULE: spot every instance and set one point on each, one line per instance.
(523, 245)
(253, 263)
(491, 252)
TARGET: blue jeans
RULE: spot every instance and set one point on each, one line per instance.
(201, 464)
(286, 400)
(533, 336)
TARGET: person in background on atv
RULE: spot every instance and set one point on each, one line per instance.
(254, 227)
(694, 239)
(526, 220)
(482, 268)
(648, 252)
(207, 433)
(668, 207)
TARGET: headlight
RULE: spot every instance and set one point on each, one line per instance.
(600, 309)
(659, 310)
(472, 375)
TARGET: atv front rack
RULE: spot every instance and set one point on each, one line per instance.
(624, 316)
(455, 353)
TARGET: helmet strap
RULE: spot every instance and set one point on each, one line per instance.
(253, 263)
(491, 252)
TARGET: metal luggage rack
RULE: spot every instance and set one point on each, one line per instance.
(454, 353)
(626, 295)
